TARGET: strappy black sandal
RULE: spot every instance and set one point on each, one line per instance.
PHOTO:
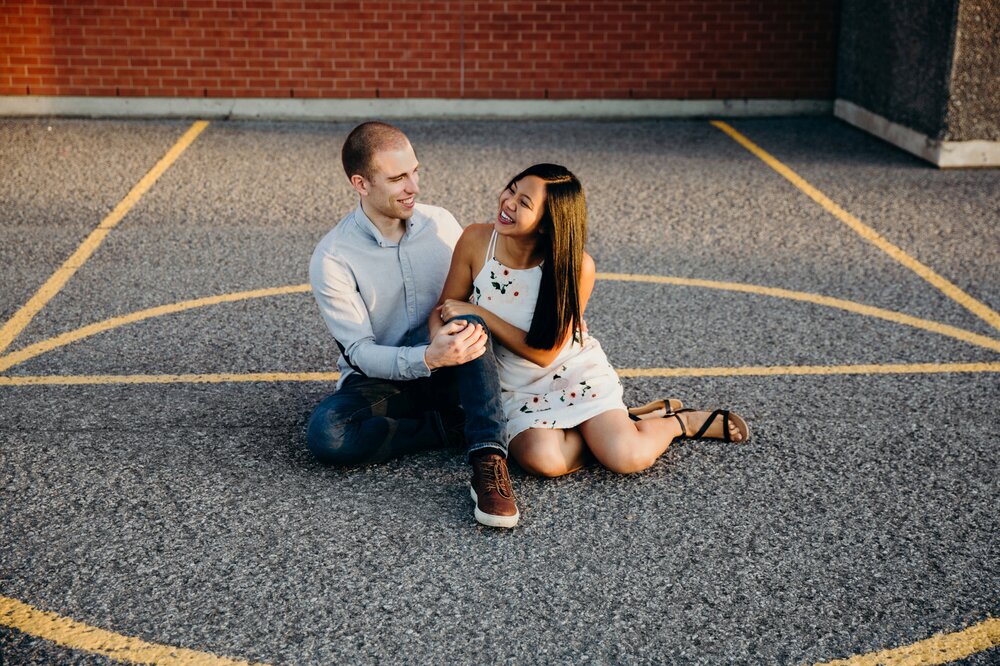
(727, 418)
(669, 405)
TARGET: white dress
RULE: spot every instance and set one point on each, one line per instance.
(577, 386)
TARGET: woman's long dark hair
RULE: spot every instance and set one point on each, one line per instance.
(563, 236)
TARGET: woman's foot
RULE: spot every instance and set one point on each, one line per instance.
(720, 424)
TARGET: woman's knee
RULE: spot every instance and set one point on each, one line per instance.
(627, 461)
(542, 460)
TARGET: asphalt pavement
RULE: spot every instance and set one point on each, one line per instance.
(166, 498)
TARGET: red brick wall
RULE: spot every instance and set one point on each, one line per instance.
(419, 48)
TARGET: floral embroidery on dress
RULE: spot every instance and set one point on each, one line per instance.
(570, 395)
(495, 281)
(537, 403)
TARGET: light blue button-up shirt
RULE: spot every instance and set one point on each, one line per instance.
(375, 294)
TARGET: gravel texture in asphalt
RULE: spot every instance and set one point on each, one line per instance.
(862, 515)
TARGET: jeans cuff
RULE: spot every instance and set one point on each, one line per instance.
(496, 446)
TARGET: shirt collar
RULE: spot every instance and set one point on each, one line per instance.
(368, 227)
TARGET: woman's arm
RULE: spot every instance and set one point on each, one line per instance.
(511, 336)
(458, 284)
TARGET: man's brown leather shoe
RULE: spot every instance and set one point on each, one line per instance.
(492, 491)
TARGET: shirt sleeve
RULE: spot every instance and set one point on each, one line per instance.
(345, 314)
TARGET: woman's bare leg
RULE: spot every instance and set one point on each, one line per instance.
(544, 452)
(627, 446)
(619, 443)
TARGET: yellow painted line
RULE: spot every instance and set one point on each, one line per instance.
(741, 371)
(777, 370)
(55, 283)
(202, 378)
(952, 291)
(938, 649)
(78, 636)
(805, 297)
(49, 344)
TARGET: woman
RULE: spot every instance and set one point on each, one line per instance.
(528, 277)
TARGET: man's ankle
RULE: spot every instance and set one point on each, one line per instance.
(484, 451)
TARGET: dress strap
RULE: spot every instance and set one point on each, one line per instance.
(491, 248)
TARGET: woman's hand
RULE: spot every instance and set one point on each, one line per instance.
(453, 308)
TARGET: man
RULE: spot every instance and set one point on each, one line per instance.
(376, 277)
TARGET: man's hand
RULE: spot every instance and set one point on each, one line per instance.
(455, 343)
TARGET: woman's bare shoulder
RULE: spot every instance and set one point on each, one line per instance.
(472, 245)
(478, 230)
(475, 237)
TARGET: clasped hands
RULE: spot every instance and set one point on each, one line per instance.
(452, 308)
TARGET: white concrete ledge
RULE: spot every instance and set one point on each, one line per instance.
(944, 154)
(358, 109)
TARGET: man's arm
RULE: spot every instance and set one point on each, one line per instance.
(347, 318)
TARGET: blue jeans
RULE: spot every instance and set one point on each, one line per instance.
(369, 420)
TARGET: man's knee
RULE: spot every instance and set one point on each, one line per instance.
(472, 319)
(335, 438)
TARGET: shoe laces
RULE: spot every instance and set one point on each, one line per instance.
(494, 471)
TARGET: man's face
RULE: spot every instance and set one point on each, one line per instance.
(393, 188)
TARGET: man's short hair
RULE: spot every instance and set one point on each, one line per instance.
(364, 141)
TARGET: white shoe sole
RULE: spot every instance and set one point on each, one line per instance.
(489, 519)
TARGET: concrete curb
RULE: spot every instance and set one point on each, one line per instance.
(355, 109)
(944, 154)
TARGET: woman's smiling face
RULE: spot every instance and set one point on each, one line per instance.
(521, 207)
